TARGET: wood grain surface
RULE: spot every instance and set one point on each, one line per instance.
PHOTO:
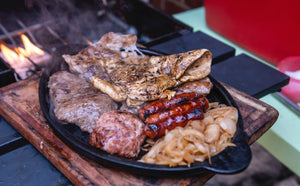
(19, 105)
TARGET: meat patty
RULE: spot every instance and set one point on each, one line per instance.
(118, 132)
(77, 101)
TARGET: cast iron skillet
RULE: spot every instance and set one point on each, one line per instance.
(231, 160)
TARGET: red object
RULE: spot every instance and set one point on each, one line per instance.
(292, 90)
(268, 28)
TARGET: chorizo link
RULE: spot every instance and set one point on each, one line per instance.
(162, 104)
(181, 109)
(155, 130)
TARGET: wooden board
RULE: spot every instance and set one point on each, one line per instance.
(19, 105)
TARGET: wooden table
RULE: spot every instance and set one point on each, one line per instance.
(19, 105)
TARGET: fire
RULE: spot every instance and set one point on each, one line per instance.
(19, 58)
(30, 48)
(10, 55)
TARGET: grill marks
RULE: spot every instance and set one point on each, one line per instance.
(138, 78)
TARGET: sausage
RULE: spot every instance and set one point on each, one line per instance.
(155, 130)
(162, 104)
(181, 109)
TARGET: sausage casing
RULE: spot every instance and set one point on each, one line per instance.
(181, 109)
(162, 104)
(158, 129)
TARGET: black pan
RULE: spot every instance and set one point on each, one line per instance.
(229, 161)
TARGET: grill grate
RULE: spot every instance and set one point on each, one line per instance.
(79, 22)
(47, 35)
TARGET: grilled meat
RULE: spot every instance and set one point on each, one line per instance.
(118, 132)
(201, 87)
(163, 104)
(132, 76)
(77, 101)
(133, 110)
(164, 114)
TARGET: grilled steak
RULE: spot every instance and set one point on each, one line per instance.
(132, 76)
(118, 132)
(77, 101)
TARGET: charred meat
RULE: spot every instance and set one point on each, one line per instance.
(127, 74)
(118, 132)
(77, 101)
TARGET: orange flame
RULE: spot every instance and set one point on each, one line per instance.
(19, 54)
(17, 57)
(10, 55)
(29, 48)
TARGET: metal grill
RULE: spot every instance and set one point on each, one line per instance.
(80, 22)
(51, 34)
